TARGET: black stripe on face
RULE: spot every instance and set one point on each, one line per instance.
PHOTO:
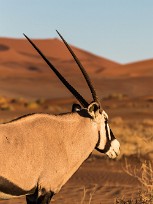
(108, 142)
(112, 135)
(10, 188)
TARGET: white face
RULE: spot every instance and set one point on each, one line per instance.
(107, 144)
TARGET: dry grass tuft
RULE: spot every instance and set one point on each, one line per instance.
(135, 138)
(145, 177)
(88, 193)
(5, 104)
(32, 105)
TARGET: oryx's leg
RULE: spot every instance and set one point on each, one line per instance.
(32, 199)
(43, 199)
(46, 198)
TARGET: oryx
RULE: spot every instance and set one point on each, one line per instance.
(40, 152)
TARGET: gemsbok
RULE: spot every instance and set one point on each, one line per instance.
(40, 152)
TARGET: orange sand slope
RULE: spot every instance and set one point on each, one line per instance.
(19, 52)
(22, 68)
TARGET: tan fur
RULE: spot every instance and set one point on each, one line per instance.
(45, 150)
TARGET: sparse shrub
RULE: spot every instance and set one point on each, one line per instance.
(145, 177)
(32, 105)
(19, 100)
(5, 104)
(148, 122)
(40, 101)
(6, 107)
(3, 100)
(120, 201)
(90, 193)
(143, 198)
(118, 96)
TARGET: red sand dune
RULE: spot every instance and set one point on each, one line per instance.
(20, 51)
(135, 69)
(22, 68)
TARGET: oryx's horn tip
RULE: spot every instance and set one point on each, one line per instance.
(25, 36)
(59, 35)
(57, 32)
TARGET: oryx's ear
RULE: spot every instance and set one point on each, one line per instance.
(93, 109)
(76, 107)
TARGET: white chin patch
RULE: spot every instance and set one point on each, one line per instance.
(114, 150)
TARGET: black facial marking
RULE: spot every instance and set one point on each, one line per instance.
(108, 142)
(10, 188)
(112, 135)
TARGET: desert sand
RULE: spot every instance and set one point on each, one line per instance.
(27, 85)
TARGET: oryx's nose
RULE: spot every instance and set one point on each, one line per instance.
(114, 150)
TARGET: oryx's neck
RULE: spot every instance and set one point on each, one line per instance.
(78, 137)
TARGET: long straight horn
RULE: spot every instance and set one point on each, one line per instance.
(86, 76)
(63, 80)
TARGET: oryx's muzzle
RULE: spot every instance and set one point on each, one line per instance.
(112, 146)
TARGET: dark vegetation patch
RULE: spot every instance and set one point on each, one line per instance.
(4, 47)
(29, 55)
(33, 68)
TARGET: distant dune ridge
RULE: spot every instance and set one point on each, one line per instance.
(23, 72)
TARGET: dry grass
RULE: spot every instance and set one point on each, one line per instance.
(91, 193)
(20, 104)
(144, 175)
(135, 138)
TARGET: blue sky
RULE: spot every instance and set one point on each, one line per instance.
(120, 30)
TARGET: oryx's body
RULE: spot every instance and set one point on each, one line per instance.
(57, 146)
(40, 152)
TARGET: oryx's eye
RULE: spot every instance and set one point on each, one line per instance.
(106, 121)
(106, 118)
